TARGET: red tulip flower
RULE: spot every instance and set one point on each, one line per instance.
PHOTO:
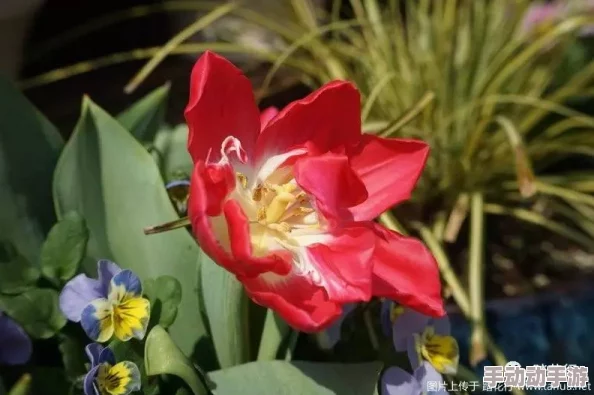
(286, 200)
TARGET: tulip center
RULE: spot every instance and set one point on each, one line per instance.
(279, 211)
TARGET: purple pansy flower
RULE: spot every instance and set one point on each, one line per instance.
(106, 377)
(396, 381)
(15, 345)
(110, 305)
(426, 338)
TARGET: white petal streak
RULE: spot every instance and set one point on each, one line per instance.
(273, 163)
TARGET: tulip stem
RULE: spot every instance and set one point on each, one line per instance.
(166, 227)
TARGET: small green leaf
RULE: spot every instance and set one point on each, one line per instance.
(226, 306)
(165, 294)
(16, 273)
(161, 356)
(297, 378)
(73, 356)
(64, 247)
(173, 146)
(22, 386)
(145, 117)
(29, 149)
(36, 310)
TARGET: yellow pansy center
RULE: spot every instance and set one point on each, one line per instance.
(440, 351)
(113, 380)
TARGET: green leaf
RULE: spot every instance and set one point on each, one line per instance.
(16, 273)
(22, 386)
(172, 144)
(64, 247)
(145, 117)
(36, 310)
(162, 356)
(274, 333)
(73, 356)
(226, 306)
(165, 294)
(29, 149)
(113, 182)
(297, 378)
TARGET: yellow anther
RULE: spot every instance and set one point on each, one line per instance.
(242, 180)
(261, 214)
(304, 211)
(258, 192)
(281, 227)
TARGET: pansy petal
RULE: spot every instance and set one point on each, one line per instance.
(442, 352)
(77, 294)
(131, 318)
(412, 352)
(107, 356)
(426, 374)
(405, 326)
(89, 381)
(441, 325)
(106, 270)
(93, 352)
(328, 118)
(119, 379)
(389, 168)
(124, 284)
(221, 104)
(98, 354)
(396, 381)
(398, 264)
(15, 345)
(97, 320)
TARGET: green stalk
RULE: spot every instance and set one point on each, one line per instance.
(275, 331)
(476, 278)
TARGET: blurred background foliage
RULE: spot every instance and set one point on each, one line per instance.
(506, 202)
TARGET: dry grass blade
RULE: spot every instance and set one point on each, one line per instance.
(176, 40)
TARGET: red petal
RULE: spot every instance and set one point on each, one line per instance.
(328, 117)
(406, 272)
(389, 168)
(266, 116)
(296, 299)
(200, 201)
(221, 104)
(330, 179)
(279, 262)
(345, 264)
